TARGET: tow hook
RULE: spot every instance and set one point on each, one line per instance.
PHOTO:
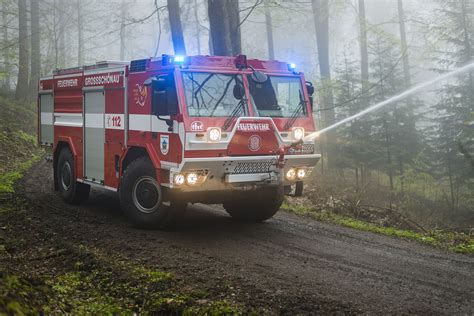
(283, 149)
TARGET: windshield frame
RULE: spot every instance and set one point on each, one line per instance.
(305, 105)
(181, 85)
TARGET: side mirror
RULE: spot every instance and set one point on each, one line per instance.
(164, 100)
(239, 92)
(310, 89)
(258, 77)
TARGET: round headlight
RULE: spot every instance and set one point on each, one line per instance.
(179, 179)
(291, 174)
(214, 134)
(297, 133)
(192, 178)
(301, 173)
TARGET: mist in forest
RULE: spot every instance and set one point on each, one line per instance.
(414, 156)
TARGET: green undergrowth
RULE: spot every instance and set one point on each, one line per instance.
(100, 284)
(454, 241)
(18, 148)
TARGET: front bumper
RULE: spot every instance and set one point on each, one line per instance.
(240, 172)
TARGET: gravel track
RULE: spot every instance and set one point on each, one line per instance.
(289, 264)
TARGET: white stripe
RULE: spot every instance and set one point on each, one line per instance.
(114, 121)
(46, 118)
(68, 119)
(94, 120)
(139, 122)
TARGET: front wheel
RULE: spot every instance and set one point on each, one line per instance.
(141, 197)
(255, 206)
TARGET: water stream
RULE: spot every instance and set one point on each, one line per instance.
(391, 100)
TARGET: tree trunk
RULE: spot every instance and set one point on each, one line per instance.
(403, 39)
(269, 28)
(35, 49)
(224, 22)
(176, 28)
(6, 51)
(197, 26)
(321, 20)
(219, 30)
(233, 12)
(61, 35)
(80, 38)
(23, 67)
(364, 55)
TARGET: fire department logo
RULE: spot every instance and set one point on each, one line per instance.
(164, 144)
(254, 142)
(139, 95)
(197, 126)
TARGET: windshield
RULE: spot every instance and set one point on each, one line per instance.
(212, 94)
(278, 97)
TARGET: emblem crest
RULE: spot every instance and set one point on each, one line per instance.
(254, 142)
(164, 144)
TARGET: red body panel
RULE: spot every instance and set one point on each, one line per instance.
(128, 101)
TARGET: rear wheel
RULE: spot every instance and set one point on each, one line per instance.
(141, 197)
(71, 191)
(255, 206)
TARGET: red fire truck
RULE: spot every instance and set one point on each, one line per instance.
(164, 132)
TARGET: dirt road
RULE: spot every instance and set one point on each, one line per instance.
(291, 264)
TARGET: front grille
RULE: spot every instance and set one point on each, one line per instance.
(308, 148)
(245, 167)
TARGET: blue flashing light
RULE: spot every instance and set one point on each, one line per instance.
(291, 66)
(179, 59)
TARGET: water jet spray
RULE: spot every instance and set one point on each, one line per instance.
(390, 100)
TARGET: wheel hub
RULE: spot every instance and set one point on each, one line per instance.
(146, 194)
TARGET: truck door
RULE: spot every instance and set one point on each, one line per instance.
(94, 135)
(46, 118)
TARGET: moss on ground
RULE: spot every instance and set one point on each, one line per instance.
(453, 241)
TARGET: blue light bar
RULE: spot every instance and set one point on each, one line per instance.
(179, 59)
(291, 66)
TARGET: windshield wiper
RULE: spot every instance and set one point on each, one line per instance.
(296, 113)
(235, 113)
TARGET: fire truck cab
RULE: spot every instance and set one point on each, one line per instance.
(164, 132)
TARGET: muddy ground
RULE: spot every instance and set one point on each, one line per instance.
(287, 265)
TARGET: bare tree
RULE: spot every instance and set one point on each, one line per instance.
(80, 37)
(224, 22)
(233, 14)
(6, 50)
(23, 67)
(176, 27)
(321, 21)
(364, 55)
(123, 16)
(35, 48)
(269, 29)
(403, 38)
(220, 34)
(197, 25)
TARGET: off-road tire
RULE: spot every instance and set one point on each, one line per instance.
(255, 206)
(139, 180)
(299, 188)
(70, 190)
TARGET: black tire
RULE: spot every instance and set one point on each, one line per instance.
(141, 197)
(71, 191)
(299, 188)
(256, 206)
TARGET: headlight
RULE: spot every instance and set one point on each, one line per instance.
(297, 133)
(291, 174)
(301, 173)
(179, 179)
(192, 178)
(214, 134)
